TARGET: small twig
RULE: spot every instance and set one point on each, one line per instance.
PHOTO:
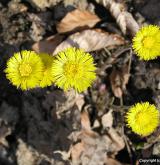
(154, 141)
(107, 51)
(117, 107)
(121, 101)
(112, 101)
(112, 59)
(130, 61)
(127, 145)
(124, 137)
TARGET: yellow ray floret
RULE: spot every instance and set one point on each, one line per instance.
(74, 68)
(47, 72)
(146, 43)
(143, 118)
(24, 70)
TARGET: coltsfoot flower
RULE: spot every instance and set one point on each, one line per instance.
(146, 43)
(24, 70)
(47, 78)
(143, 118)
(74, 68)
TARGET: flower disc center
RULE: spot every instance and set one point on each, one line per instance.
(25, 70)
(71, 69)
(142, 119)
(148, 42)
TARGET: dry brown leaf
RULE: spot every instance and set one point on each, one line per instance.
(119, 80)
(107, 119)
(42, 4)
(125, 77)
(77, 20)
(90, 149)
(91, 40)
(92, 146)
(96, 124)
(48, 45)
(76, 151)
(63, 101)
(70, 101)
(26, 155)
(124, 19)
(5, 130)
(117, 141)
(111, 161)
(85, 122)
(17, 7)
(116, 82)
(65, 155)
(79, 101)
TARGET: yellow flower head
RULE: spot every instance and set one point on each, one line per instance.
(146, 43)
(143, 118)
(73, 68)
(24, 69)
(47, 72)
